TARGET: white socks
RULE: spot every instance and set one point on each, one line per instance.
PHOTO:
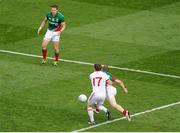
(103, 108)
(91, 114)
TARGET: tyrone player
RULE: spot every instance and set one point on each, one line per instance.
(99, 80)
(56, 25)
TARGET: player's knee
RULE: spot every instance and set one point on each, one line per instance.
(56, 47)
(44, 46)
(56, 50)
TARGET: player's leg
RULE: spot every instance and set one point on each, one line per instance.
(44, 44)
(44, 50)
(113, 103)
(90, 103)
(106, 111)
(90, 114)
(100, 106)
(56, 52)
(56, 40)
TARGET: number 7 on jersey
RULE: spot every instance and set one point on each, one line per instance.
(97, 81)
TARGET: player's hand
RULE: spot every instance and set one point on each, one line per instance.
(38, 32)
(125, 90)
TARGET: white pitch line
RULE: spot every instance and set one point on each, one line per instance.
(122, 118)
(86, 63)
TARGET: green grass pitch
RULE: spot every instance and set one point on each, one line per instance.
(138, 34)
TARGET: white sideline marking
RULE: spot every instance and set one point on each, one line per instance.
(122, 118)
(86, 63)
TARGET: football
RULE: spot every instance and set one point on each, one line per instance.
(82, 98)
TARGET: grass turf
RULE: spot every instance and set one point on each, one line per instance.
(133, 34)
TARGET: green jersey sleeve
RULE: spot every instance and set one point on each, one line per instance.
(109, 74)
(61, 17)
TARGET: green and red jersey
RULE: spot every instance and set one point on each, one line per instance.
(55, 22)
(111, 77)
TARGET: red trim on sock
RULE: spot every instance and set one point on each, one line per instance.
(89, 109)
(124, 112)
(97, 108)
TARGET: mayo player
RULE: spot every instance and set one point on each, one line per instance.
(56, 25)
(99, 80)
(111, 94)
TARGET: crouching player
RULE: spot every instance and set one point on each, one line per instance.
(111, 93)
(99, 80)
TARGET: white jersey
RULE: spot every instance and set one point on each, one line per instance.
(98, 82)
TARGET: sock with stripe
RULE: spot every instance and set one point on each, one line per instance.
(91, 114)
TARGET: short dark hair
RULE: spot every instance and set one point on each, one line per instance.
(55, 6)
(106, 68)
(97, 67)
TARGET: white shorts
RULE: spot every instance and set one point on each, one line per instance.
(52, 36)
(96, 98)
(111, 91)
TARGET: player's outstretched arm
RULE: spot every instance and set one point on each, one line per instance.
(122, 85)
(42, 25)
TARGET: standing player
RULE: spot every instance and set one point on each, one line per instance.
(56, 26)
(99, 80)
(111, 93)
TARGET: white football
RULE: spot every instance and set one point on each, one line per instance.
(82, 98)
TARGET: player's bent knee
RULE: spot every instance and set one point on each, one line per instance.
(56, 47)
(43, 46)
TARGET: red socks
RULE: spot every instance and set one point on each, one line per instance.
(124, 112)
(56, 56)
(44, 53)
